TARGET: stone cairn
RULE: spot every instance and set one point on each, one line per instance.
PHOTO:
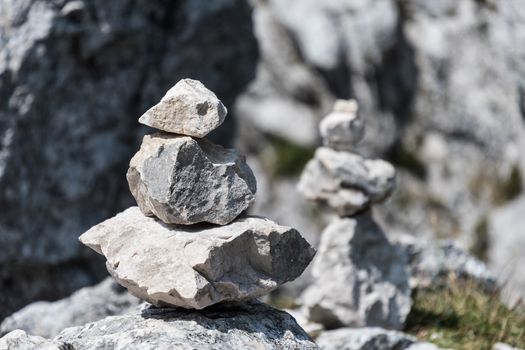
(185, 245)
(360, 278)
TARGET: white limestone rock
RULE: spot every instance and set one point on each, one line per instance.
(342, 129)
(360, 278)
(188, 108)
(20, 340)
(251, 325)
(370, 338)
(47, 319)
(346, 181)
(200, 265)
(182, 180)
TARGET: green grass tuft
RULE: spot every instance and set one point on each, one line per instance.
(463, 317)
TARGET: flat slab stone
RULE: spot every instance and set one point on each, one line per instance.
(346, 181)
(188, 108)
(182, 180)
(200, 265)
(252, 325)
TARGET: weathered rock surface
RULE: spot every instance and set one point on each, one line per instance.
(197, 266)
(20, 340)
(89, 304)
(370, 339)
(360, 278)
(251, 325)
(432, 263)
(228, 326)
(507, 247)
(74, 77)
(188, 108)
(342, 129)
(346, 181)
(182, 180)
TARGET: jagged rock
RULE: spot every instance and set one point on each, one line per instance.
(432, 263)
(370, 339)
(223, 327)
(74, 77)
(182, 180)
(346, 181)
(342, 129)
(197, 266)
(20, 340)
(47, 319)
(188, 108)
(360, 278)
(507, 246)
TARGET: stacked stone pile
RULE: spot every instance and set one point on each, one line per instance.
(360, 278)
(186, 245)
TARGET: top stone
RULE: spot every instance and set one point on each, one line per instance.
(342, 129)
(188, 108)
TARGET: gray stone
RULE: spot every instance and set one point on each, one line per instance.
(360, 278)
(200, 265)
(370, 339)
(89, 304)
(346, 181)
(20, 340)
(182, 180)
(506, 253)
(74, 78)
(188, 108)
(342, 129)
(433, 263)
(222, 327)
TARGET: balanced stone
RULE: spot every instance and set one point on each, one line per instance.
(360, 278)
(346, 181)
(182, 180)
(342, 129)
(188, 108)
(200, 265)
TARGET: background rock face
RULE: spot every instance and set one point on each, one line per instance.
(74, 78)
(89, 304)
(435, 82)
